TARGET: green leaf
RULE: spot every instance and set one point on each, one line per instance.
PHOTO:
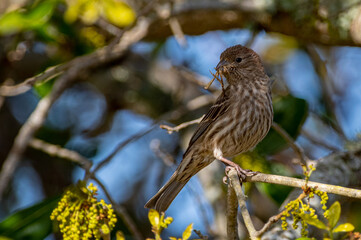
(290, 113)
(18, 20)
(188, 232)
(346, 227)
(313, 221)
(153, 216)
(45, 88)
(303, 238)
(334, 214)
(30, 223)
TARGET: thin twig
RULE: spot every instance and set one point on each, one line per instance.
(235, 183)
(200, 235)
(328, 90)
(121, 145)
(167, 158)
(108, 27)
(121, 211)
(232, 208)
(181, 126)
(55, 150)
(177, 31)
(275, 218)
(50, 73)
(297, 149)
(318, 141)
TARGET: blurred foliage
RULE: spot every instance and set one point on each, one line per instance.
(89, 11)
(35, 18)
(30, 223)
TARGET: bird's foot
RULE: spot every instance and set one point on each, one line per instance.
(242, 173)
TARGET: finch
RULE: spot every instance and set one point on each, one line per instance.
(240, 118)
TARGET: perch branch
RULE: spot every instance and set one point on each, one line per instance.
(299, 183)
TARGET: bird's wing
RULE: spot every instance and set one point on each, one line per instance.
(218, 109)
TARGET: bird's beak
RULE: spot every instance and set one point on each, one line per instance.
(221, 64)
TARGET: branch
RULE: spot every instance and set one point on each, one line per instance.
(177, 31)
(308, 26)
(121, 145)
(25, 86)
(181, 126)
(55, 150)
(232, 208)
(236, 185)
(79, 65)
(318, 141)
(299, 183)
(328, 88)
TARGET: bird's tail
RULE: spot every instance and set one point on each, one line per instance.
(166, 194)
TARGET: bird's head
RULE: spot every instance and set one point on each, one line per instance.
(239, 63)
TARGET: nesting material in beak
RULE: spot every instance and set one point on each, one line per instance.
(217, 76)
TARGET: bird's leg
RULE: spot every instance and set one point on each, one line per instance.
(242, 173)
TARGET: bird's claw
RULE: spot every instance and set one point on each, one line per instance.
(242, 173)
(225, 180)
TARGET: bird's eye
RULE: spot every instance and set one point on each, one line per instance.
(238, 59)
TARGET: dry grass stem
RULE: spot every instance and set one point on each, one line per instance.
(217, 76)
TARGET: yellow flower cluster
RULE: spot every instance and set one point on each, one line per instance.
(81, 216)
(302, 212)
